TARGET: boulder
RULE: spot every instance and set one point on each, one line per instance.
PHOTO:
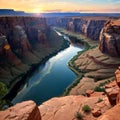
(96, 112)
(22, 111)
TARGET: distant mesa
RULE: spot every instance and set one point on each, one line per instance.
(12, 12)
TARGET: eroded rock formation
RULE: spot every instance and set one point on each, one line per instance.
(110, 38)
(113, 93)
(21, 111)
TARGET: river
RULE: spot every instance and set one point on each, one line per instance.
(51, 78)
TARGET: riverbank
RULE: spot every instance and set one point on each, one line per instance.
(73, 67)
(90, 66)
(88, 44)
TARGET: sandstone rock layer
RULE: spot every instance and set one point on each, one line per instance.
(21, 111)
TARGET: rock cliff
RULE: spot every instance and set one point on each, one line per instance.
(24, 42)
(113, 94)
(110, 38)
(88, 26)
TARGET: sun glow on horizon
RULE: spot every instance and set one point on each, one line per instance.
(41, 6)
(37, 10)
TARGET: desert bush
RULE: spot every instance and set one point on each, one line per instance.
(78, 116)
(86, 108)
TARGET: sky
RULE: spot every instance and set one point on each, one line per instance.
(39, 6)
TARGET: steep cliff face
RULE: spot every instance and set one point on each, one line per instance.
(88, 26)
(110, 38)
(22, 34)
(10, 65)
(24, 41)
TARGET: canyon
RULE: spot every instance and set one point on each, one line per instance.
(97, 65)
(25, 42)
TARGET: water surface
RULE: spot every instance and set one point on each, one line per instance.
(50, 79)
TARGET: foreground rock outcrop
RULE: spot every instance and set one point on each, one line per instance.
(21, 111)
(65, 108)
(110, 38)
(113, 94)
(113, 89)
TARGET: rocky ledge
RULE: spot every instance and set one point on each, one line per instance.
(21, 111)
(96, 67)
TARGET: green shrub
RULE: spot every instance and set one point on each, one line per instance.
(99, 89)
(100, 100)
(78, 116)
(86, 108)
